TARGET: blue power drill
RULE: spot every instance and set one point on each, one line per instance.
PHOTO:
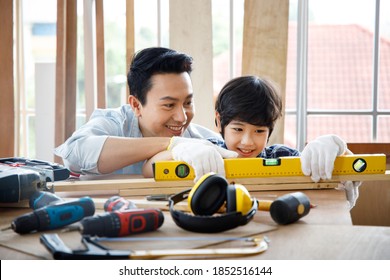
(53, 216)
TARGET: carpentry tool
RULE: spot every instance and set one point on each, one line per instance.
(118, 203)
(95, 251)
(17, 184)
(54, 216)
(278, 167)
(289, 208)
(52, 171)
(120, 223)
(40, 199)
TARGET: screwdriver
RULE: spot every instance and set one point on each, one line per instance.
(120, 223)
(54, 216)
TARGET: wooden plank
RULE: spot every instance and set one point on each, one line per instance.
(71, 67)
(130, 187)
(100, 60)
(66, 70)
(265, 47)
(130, 36)
(373, 205)
(60, 76)
(371, 148)
(193, 35)
(89, 57)
(7, 107)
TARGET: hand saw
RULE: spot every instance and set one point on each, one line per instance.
(95, 251)
(277, 167)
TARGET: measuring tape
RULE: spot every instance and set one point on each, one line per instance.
(277, 167)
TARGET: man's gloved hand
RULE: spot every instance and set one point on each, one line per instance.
(201, 154)
(317, 158)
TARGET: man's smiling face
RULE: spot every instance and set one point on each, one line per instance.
(169, 106)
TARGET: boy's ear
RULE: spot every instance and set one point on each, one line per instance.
(135, 105)
(218, 122)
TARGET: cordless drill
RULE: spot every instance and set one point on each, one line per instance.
(120, 219)
(18, 184)
(54, 216)
(118, 203)
(122, 223)
(40, 199)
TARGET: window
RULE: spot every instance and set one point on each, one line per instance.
(346, 81)
(347, 90)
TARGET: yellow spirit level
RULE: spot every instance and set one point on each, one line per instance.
(283, 166)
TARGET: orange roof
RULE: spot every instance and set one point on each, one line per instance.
(340, 71)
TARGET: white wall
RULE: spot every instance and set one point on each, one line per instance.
(45, 110)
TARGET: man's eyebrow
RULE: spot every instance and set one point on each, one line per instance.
(173, 98)
(169, 98)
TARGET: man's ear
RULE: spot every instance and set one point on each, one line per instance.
(218, 122)
(135, 105)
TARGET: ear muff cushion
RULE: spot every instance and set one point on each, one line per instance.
(231, 201)
(207, 197)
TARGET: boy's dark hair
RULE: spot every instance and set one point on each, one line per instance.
(249, 99)
(150, 61)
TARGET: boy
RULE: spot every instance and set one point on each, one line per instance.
(246, 111)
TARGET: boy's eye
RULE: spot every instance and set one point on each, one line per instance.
(261, 131)
(237, 129)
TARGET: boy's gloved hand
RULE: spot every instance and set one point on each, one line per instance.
(351, 190)
(201, 154)
(317, 158)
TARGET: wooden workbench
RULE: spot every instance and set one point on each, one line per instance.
(325, 233)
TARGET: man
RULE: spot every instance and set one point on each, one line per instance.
(160, 110)
(157, 121)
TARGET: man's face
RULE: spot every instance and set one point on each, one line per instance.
(246, 139)
(169, 106)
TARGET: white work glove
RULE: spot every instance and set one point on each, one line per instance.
(317, 158)
(351, 190)
(201, 154)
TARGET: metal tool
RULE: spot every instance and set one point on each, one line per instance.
(18, 184)
(118, 203)
(120, 223)
(94, 250)
(52, 171)
(54, 216)
(284, 166)
(40, 199)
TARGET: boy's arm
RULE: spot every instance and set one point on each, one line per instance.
(317, 160)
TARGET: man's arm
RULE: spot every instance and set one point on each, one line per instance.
(147, 169)
(119, 152)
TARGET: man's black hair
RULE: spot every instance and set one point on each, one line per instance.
(249, 99)
(150, 61)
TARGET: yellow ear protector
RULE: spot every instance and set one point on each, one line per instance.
(208, 195)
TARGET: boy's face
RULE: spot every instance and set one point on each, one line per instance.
(169, 107)
(246, 139)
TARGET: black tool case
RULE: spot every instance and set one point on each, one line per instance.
(59, 172)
